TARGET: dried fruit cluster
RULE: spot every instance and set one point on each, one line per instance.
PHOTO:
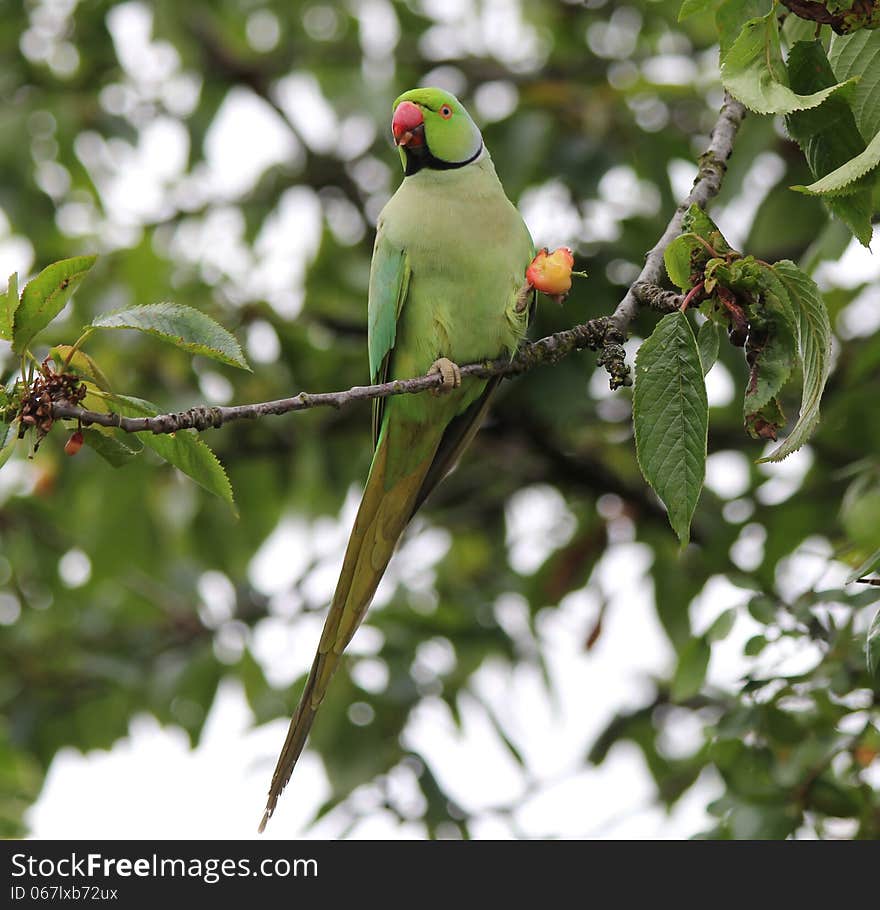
(47, 388)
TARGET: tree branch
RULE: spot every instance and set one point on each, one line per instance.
(713, 165)
(547, 350)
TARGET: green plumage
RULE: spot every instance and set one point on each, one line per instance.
(449, 261)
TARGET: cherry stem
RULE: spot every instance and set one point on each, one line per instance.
(692, 294)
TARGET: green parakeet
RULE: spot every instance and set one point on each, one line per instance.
(447, 286)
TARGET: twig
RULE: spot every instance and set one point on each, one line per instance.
(547, 350)
(713, 164)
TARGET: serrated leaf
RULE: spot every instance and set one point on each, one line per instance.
(182, 326)
(44, 297)
(183, 449)
(696, 221)
(110, 448)
(745, 274)
(692, 7)
(708, 344)
(688, 254)
(691, 670)
(8, 306)
(670, 414)
(771, 353)
(840, 180)
(855, 211)
(872, 647)
(859, 55)
(80, 363)
(829, 137)
(754, 73)
(730, 17)
(682, 259)
(814, 346)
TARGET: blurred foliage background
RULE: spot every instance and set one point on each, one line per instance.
(233, 156)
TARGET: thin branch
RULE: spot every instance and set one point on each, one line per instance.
(713, 165)
(545, 351)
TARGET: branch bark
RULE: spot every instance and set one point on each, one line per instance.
(712, 167)
(547, 350)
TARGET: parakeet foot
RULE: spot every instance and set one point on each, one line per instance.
(524, 297)
(449, 371)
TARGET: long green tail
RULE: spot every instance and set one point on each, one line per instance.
(381, 519)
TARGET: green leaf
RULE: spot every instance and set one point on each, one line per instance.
(743, 274)
(795, 29)
(859, 55)
(692, 7)
(696, 221)
(763, 609)
(871, 564)
(684, 258)
(80, 363)
(755, 645)
(771, 353)
(8, 441)
(8, 306)
(688, 254)
(110, 448)
(691, 670)
(829, 137)
(826, 795)
(722, 626)
(44, 297)
(670, 414)
(753, 72)
(730, 17)
(708, 343)
(841, 179)
(183, 326)
(814, 345)
(184, 449)
(872, 647)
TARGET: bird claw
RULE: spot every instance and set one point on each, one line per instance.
(524, 297)
(449, 371)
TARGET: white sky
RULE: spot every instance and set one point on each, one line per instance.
(150, 785)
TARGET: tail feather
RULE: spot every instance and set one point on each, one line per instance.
(381, 519)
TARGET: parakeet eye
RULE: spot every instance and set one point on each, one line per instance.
(446, 112)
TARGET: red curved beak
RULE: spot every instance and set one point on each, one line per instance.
(408, 124)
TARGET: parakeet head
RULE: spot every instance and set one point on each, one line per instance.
(432, 130)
